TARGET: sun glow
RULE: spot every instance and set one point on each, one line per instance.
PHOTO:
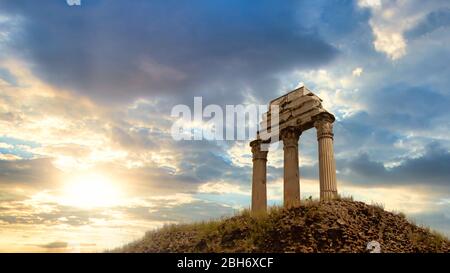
(91, 190)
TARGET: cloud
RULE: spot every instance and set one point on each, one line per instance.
(8, 157)
(5, 146)
(357, 72)
(203, 46)
(432, 21)
(54, 245)
(423, 106)
(197, 210)
(339, 89)
(133, 138)
(41, 209)
(389, 31)
(221, 188)
(34, 172)
(428, 169)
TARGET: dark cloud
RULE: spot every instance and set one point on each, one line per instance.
(138, 138)
(428, 169)
(364, 133)
(125, 49)
(54, 245)
(195, 211)
(407, 106)
(204, 161)
(433, 20)
(334, 19)
(208, 161)
(69, 215)
(32, 172)
(59, 214)
(431, 168)
(363, 166)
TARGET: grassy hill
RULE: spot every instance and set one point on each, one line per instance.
(334, 226)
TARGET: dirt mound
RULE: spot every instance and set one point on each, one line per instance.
(334, 226)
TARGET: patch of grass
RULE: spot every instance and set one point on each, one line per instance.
(377, 205)
(402, 215)
(344, 198)
(206, 227)
(309, 202)
(426, 236)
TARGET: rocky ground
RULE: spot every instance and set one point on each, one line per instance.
(335, 226)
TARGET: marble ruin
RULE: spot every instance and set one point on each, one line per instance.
(299, 110)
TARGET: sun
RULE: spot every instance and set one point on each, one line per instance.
(91, 190)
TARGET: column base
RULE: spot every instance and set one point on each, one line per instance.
(328, 195)
(291, 204)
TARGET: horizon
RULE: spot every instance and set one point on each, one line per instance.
(88, 159)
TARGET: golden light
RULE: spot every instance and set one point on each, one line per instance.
(91, 190)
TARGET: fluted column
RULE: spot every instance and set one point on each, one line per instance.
(291, 186)
(259, 190)
(327, 167)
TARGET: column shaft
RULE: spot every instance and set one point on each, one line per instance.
(327, 166)
(291, 189)
(259, 189)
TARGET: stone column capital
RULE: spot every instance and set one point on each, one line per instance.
(324, 126)
(290, 137)
(256, 150)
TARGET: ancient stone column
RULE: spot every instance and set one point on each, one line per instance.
(327, 167)
(291, 186)
(259, 191)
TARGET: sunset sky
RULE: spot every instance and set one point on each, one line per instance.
(87, 161)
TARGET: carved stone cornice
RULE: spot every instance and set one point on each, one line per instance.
(257, 154)
(290, 137)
